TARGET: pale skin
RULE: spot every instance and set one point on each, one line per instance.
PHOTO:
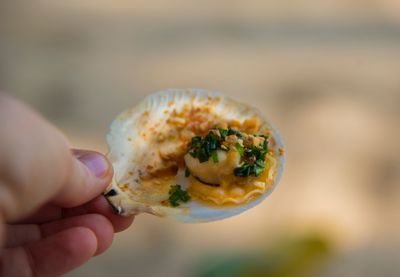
(53, 217)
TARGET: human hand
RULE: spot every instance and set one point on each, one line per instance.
(53, 217)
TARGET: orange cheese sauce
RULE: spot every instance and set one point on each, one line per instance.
(154, 189)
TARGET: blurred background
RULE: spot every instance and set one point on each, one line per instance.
(326, 73)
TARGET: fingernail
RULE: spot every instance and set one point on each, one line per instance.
(95, 162)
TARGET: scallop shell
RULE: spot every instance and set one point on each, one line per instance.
(130, 149)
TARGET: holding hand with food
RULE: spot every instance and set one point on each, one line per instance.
(192, 155)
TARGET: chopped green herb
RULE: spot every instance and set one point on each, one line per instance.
(214, 156)
(196, 140)
(260, 163)
(203, 154)
(202, 148)
(258, 170)
(248, 169)
(176, 195)
(223, 132)
(242, 171)
(235, 132)
(239, 148)
(265, 145)
(253, 160)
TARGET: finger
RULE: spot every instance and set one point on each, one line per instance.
(17, 235)
(99, 225)
(101, 206)
(90, 175)
(52, 256)
(46, 213)
(20, 234)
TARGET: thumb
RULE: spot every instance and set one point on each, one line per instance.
(89, 176)
(37, 165)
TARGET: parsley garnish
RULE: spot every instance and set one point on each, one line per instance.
(223, 132)
(235, 132)
(204, 148)
(254, 160)
(214, 156)
(252, 157)
(239, 148)
(176, 195)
